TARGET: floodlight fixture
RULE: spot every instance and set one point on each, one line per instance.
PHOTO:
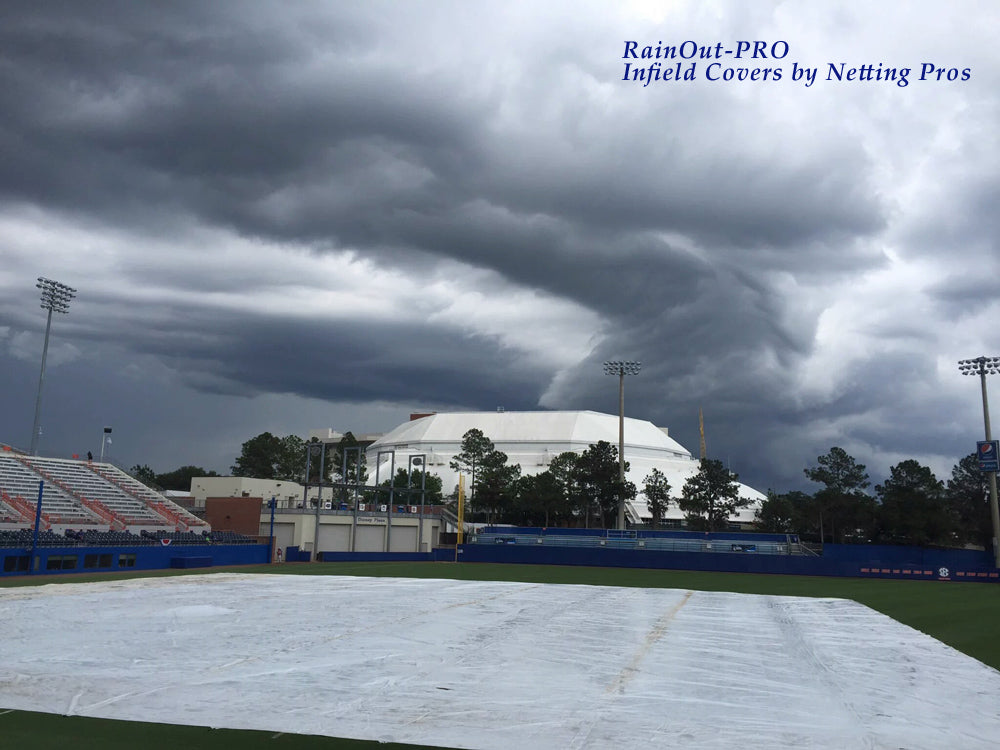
(980, 366)
(105, 441)
(55, 295)
(55, 298)
(621, 368)
(983, 366)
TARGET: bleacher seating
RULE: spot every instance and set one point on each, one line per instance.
(9, 514)
(231, 537)
(22, 538)
(177, 537)
(87, 485)
(73, 538)
(58, 506)
(132, 487)
(81, 494)
(110, 539)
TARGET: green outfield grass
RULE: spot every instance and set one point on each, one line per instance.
(34, 731)
(963, 615)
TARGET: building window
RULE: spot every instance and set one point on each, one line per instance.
(61, 562)
(16, 563)
(126, 561)
(97, 561)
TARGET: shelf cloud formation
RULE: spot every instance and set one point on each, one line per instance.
(291, 216)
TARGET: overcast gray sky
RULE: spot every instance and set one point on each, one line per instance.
(284, 216)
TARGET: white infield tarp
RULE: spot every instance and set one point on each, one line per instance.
(491, 665)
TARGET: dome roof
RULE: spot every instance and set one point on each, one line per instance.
(533, 438)
(532, 427)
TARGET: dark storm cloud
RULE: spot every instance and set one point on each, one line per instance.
(170, 107)
(747, 407)
(364, 362)
(353, 361)
(706, 229)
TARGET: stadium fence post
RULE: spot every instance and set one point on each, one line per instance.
(273, 503)
(461, 513)
(319, 500)
(38, 520)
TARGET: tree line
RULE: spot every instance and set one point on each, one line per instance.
(286, 459)
(912, 506)
(265, 456)
(584, 489)
(577, 489)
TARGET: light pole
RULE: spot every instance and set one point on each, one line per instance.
(621, 369)
(55, 298)
(392, 480)
(105, 440)
(983, 366)
(273, 503)
(419, 460)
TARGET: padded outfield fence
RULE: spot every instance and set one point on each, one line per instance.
(723, 552)
(726, 552)
(776, 554)
(764, 544)
(95, 559)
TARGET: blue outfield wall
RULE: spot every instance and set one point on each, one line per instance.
(837, 560)
(378, 556)
(742, 536)
(56, 560)
(884, 554)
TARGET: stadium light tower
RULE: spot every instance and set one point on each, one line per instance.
(55, 298)
(621, 368)
(983, 366)
(105, 441)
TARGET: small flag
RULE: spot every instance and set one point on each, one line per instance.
(165, 542)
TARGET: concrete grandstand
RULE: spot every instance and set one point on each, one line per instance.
(532, 439)
(84, 495)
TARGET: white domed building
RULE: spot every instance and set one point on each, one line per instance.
(533, 438)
